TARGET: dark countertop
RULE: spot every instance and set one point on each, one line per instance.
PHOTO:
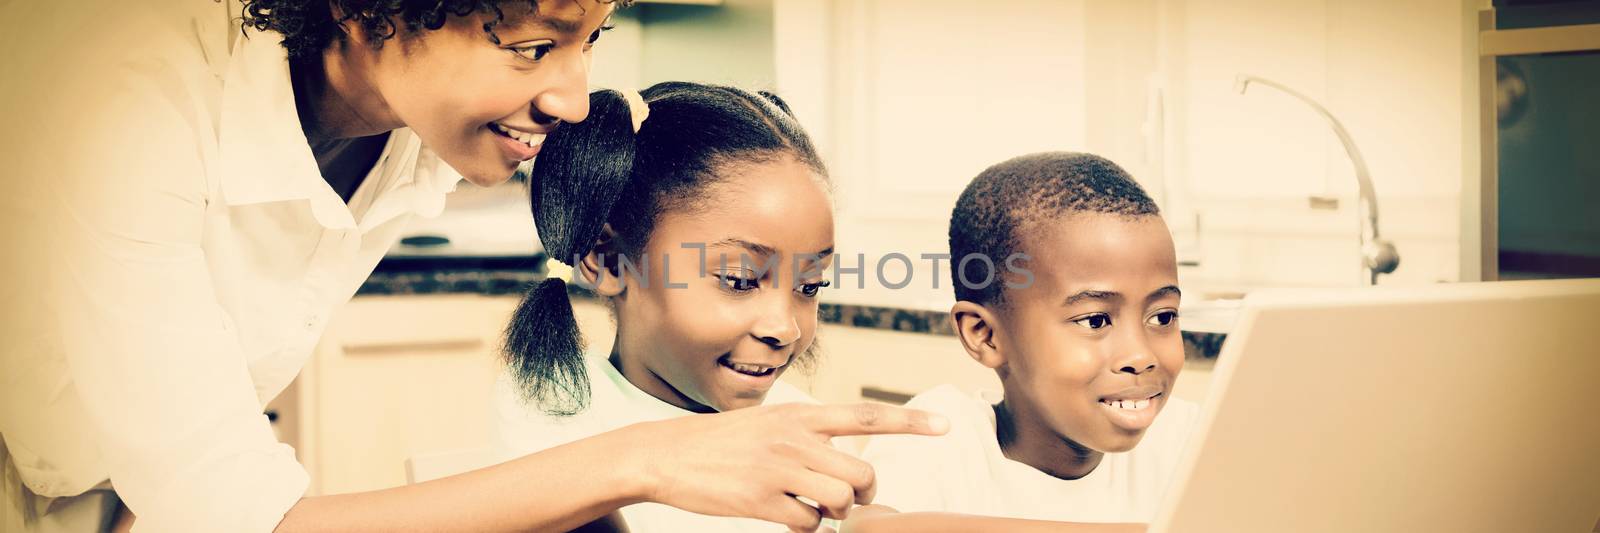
(490, 276)
(512, 276)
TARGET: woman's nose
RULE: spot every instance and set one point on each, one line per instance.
(566, 99)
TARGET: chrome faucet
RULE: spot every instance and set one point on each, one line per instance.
(1378, 256)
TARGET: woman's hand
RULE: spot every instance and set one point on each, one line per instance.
(772, 463)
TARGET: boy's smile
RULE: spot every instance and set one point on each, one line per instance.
(1134, 409)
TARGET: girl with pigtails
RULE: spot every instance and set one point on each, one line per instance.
(701, 215)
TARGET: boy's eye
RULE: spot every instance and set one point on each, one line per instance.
(1164, 318)
(810, 290)
(533, 52)
(738, 284)
(1094, 321)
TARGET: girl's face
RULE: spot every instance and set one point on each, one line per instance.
(484, 108)
(711, 331)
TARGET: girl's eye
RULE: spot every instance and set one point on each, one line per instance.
(810, 290)
(737, 284)
(1164, 318)
(533, 52)
(1094, 321)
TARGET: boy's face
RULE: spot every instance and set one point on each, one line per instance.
(1092, 347)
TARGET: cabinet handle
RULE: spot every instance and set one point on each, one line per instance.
(379, 348)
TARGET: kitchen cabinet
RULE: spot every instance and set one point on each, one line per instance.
(909, 100)
(394, 377)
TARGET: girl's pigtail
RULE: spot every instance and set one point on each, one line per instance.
(545, 350)
(581, 171)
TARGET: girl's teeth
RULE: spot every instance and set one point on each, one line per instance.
(749, 369)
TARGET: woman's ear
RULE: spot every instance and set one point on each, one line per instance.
(978, 330)
(600, 267)
(348, 25)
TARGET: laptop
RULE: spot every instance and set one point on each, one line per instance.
(1455, 408)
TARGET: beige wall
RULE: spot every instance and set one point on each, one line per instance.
(1391, 71)
(907, 115)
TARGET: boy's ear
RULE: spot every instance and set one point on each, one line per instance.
(978, 329)
(599, 267)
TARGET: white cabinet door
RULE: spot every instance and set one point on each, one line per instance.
(395, 377)
(909, 99)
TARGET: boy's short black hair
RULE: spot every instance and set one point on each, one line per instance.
(1012, 195)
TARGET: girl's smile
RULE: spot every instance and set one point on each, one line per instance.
(753, 378)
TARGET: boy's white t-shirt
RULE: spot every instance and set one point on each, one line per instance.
(615, 402)
(964, 471)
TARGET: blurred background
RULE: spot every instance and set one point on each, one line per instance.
(1285, 141)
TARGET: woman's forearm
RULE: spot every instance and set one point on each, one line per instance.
(752, 463)
(554, 490)
(959, 523)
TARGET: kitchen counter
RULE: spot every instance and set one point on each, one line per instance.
(513, 276)
(491, 276)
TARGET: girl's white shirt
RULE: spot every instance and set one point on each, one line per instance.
(615, 402)
(180, 255)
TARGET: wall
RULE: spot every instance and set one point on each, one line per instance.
(912, 100)
(1391, 71)
(731, 43)
(908, 100)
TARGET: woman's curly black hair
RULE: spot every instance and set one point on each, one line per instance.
(310, 26)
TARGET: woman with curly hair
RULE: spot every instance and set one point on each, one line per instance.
(199, 184)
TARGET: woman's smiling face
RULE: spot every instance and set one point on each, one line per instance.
(719, 336)
(485, 107)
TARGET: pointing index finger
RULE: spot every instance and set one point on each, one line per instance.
(873, 419)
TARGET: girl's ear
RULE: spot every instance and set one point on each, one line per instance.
(978, 330)
(600, 267)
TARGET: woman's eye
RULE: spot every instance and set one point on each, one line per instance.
(533, 52)
(810, 290)
(593, 37)
(738, 284)
(1094, 321)
(1164, 318)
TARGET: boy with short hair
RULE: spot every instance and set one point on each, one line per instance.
(1086, 346)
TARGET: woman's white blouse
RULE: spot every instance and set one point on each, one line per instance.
(182, 255)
